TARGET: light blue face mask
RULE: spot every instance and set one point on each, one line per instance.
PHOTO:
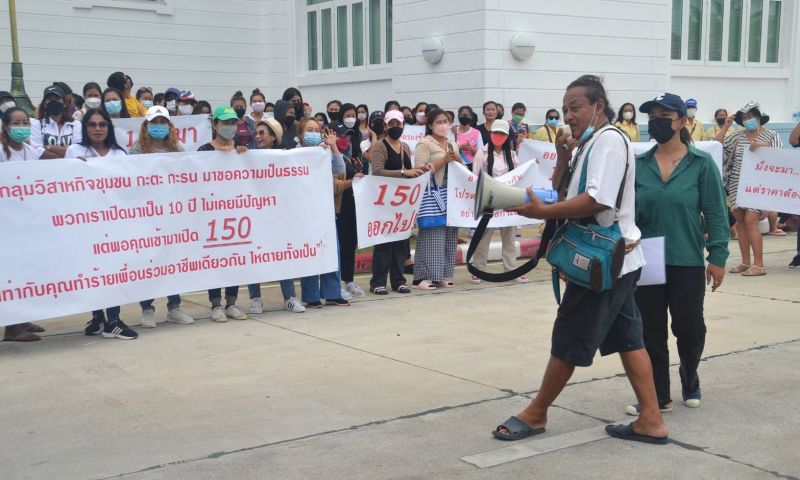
(157, 132)
(312, 138)
(552, 123)
(590, 129)
(750, 124)
(147, 103)
(114, 107)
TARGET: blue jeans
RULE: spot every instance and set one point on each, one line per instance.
(287, 289)
(327, 286)
(215, 295)
(173, 302)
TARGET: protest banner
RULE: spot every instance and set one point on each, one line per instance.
(86, 235)
(192, 131)
(712, 148)
(387, 207)
(412, 134)
(770, 180)
(461, 187)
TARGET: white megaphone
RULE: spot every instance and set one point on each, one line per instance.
(491, 195)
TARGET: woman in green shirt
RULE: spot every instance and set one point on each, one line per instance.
(678, 189)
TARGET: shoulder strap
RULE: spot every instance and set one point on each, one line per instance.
(582, 184)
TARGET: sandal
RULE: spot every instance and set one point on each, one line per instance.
(24, 337)
(402, 289)
(425, 285)
(379, 291)
(777, 233)
(445, 284)
(515, 429)
(741, 268)
(755, 271)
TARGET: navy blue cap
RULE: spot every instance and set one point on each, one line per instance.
(670, 101)
(691, 103)
(338, 128)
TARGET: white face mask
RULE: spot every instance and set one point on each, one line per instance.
(93, 102)
(185, 109)
(171, 105)
(691, 112)
(362, 116)
(5, 106)
(269, 114)
(628, 116)
(258, 106)
(349, 122)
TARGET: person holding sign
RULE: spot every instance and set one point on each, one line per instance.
(753, 136)
(587, 319)
(224, 124)
(496, 159)
(677, 188)
(435, 259)
(391, 158)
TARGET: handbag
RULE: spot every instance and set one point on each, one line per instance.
(433, 206)
(585, 253)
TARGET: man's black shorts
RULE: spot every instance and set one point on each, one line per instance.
(589, 320)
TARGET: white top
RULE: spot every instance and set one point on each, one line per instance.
(603, 178)
(45, 133)
(27, 152)
(77, 150)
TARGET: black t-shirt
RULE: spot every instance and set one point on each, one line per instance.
(394, 159)
(206, 148)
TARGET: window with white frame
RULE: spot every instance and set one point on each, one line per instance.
(348, 34)
(734, 32)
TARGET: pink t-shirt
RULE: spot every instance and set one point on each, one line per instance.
(473, 138)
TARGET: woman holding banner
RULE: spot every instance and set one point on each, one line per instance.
(679, 197)
(391, 158)
(224, 124)
(98, 140)
(753, 136)
(497, 158)
(435, 258)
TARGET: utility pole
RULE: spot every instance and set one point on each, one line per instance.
(17, 82)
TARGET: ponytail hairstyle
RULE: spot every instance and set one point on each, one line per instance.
(257, 93)
(686, 137)
(238, 96)
(7, 128)
(595, 91)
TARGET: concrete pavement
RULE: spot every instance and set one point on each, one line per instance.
(393, 387)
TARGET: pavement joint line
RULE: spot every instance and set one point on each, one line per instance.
(689, 446)
(760, 297)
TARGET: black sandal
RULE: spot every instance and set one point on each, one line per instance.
(379, 291)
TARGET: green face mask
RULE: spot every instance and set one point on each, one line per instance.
(517, 118)
(19, 134)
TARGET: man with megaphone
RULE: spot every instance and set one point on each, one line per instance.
(595, 176)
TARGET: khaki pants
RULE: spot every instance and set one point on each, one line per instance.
(508, 235)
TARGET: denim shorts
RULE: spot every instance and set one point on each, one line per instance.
(587, 321)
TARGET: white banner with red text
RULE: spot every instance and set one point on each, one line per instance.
(412, 134)
(461, 187)
(193, 131)
(770, 180)
(86, 235)
(545, 153)
(387, 207)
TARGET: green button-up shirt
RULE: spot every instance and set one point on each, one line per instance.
(675, 209)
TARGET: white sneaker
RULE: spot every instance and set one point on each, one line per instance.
(293, 305)
(522, 279)
(475, 280)
(149, 319)
(176, 315)
(256, 306)
(233, 312)
(692, 402)
(354, 290)
(346, 295)
(218, 314)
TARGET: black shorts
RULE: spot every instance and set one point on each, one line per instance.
(588, 321)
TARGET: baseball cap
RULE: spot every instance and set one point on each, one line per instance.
(156, 111)
(374, 117)
(4, 94)
(691, 103)
(670, 101)
(53, 90)
(64, 87)
(224, 112)
(394, 115)
(173, 91)
(186, 95)
(338, 128)
(500, 126)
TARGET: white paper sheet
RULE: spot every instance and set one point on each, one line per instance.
(655, 271)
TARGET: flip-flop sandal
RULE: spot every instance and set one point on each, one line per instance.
(445, 284)
(33, 328)
(379, 291)
(24, 337)
(402, 289)
(741, 268)
(755, 272)
(425, 285)
(778, 233)
(625, 432)
(517, 430)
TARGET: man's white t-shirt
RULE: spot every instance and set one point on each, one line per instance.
(604, 174)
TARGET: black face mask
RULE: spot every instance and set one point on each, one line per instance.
(379, 127)
(240, 111)
(54, 107)
(465, 119)
(409, 121)
(661, 129)
(721, 121)
(395, 132)
(334, 116)
(288, 120)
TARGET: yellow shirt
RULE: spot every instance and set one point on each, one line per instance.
(712, 132)
(135, 107)
(696, 130)
(545, 134)
(631, 129)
